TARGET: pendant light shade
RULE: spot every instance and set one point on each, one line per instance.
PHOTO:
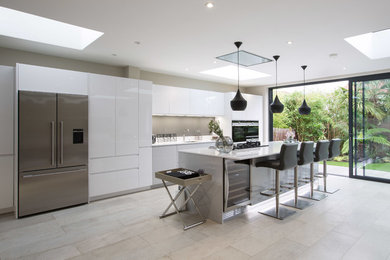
(276, 106)
(238, 103)
(304, 109)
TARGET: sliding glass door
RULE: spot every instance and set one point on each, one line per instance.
(369, 129)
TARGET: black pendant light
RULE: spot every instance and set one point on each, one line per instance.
(276, 106)
(304, 109)
(238, 103)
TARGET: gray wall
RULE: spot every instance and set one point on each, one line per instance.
(177, 124)
(10, 57)
(176, 81)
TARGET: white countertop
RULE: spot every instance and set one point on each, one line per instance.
(244, 154)
(180, 142)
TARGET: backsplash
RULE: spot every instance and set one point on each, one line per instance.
(179, 124)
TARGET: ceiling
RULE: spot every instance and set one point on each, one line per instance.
(183, 37)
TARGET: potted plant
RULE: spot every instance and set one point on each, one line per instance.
(224, 143)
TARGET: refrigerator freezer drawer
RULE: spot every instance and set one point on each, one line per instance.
(41, 191)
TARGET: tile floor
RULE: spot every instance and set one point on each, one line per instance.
(353, 223)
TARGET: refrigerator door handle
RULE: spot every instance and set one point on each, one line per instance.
(50, 174)
(52, 143)
(62, 142)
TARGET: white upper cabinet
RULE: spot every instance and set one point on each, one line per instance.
(7, 91)
(182, 101)
(126, 116)
(51, 80)
(145, 113)
(160, 99)
(102, 115)
(179, 101)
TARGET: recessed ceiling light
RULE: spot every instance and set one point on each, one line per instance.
(375, 45)
(35, 28)
(230, 72)
(209, 4)
(215, 62)
(344, 68)
(187, 69)
(289, 42)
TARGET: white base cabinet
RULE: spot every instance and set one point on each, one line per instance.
(6, 182)
(145, 167)
(166, 157)
(112, 182)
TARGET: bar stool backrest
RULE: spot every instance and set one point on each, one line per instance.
(321, 152)
(306, 153)
(334, 148)
(288, 156)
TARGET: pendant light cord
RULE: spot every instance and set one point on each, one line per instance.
(304, 80)
(276, 79)
(304, 84)
(238, 67)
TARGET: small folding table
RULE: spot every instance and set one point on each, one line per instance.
(184, 188)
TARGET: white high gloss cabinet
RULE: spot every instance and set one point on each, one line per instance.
(160, 100)
(51, 80)
(145, 167)
(7, 91)
(101, 116)
(145, 113)
(183, 101)
(126, 116)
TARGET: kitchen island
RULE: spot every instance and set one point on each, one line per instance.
(236, 182)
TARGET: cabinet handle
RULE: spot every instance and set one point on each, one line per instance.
(50, 174)
(62, 142)
(52, 143)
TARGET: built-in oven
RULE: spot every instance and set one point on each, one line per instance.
(245, 130)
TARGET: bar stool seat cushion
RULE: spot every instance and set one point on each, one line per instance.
(288, 158)
(306, 153)
(334, 148)
(322, 151)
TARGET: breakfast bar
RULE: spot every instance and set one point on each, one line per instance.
(236, 182)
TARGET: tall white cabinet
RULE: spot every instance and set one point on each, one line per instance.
(7, 90)
(120, 135)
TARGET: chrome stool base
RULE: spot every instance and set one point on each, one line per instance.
(330, 191)
(316, 196)
(299, 204)
(282, 214)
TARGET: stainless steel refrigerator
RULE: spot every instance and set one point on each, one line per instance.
(53, 151)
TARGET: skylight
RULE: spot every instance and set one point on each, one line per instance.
(230, 72)
(35, 28)
(375, 45)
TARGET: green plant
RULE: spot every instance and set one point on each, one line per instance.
(215, 128)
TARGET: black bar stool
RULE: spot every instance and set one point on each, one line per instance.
(305, 157)
(320, 154)
(334, 150)
(288, 160)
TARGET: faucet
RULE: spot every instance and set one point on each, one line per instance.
(184, 135)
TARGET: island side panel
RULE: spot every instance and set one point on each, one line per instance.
(209, 197)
